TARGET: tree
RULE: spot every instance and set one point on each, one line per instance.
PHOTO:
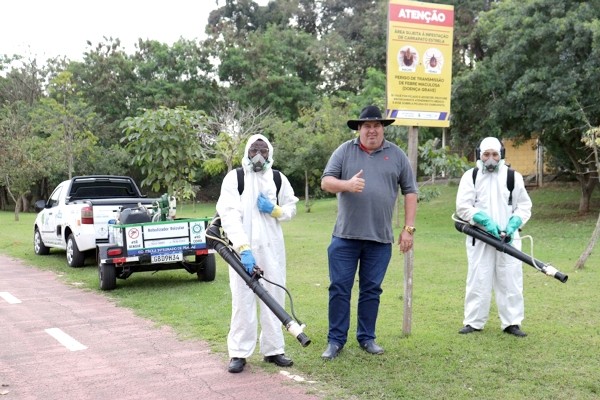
(274, 69)
(173, 76)
(538, 71)
(165, 144)
(435, 160)
(227, 132)
(65, 121)
(22, 161)
(106, 79)
(353, 39)
(24, 80)
(304, 146)
(591, 139)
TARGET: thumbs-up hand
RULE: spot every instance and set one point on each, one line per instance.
(356, 184)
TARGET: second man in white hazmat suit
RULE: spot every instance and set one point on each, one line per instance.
(251, 221)
(485, 200)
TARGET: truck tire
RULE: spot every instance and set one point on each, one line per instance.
(208, 270)
(107, 276)
(38, 244)
(75, 258)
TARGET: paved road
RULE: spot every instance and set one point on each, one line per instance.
(60, 342)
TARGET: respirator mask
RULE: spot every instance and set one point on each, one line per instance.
(258, 162)
(491, 165)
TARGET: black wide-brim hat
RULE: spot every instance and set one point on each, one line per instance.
(369, 113)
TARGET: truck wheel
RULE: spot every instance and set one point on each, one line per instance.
(75, 258)
(107, 276)
(208, 269)
(38, 245)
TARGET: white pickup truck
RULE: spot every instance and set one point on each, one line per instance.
(128, 232)
(75, 217)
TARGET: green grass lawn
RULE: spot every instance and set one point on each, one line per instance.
(558, 360)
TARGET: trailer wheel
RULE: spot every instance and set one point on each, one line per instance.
(107, 276)
(38, 244)
(75, 258)
(208, 270)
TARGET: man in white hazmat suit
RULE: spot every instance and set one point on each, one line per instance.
(484, 200)
(251, 221)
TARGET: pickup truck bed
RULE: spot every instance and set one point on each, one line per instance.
(75, 217)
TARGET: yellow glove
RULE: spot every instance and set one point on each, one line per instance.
(277, 211)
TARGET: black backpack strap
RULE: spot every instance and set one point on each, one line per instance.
(474, 178)
(277, 180)
(510, 184)
(240, 178)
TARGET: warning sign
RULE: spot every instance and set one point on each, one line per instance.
(419, 63)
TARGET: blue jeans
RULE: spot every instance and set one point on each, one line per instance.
(345, 257)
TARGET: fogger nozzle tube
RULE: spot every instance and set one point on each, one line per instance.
(504, 247)
(297, 331)
(216, 241)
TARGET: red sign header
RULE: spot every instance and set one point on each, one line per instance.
(421, 15)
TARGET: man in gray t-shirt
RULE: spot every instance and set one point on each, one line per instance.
(365, 174)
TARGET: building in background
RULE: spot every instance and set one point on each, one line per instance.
(528, 158)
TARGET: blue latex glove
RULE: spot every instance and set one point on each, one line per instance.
(248, 261)
(264, 204)
(490, 226)
(513, 224)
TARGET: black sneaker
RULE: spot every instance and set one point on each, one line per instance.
(331, 352)
(468, 329)
(371, 347)
(280, 360)
(514, 330)
(236, 365)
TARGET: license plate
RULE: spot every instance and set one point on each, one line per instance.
(166, 258)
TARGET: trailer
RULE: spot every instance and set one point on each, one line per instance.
(138, 244)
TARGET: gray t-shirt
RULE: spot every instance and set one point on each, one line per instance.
(368, 215)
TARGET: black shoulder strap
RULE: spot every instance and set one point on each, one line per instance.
(475, 174)
(240, 179)
(277, 180)
(510, 184)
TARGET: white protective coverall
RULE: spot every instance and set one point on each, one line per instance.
(244, 224)
(488, 268)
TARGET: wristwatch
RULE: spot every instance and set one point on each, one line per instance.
(410, 229)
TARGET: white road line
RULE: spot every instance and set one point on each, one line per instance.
(65, 339)
(9, 298)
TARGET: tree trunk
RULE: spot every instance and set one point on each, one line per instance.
(587, 180)
(588, 250)
(17, 208)
(24, 203)
(587, 188)
(3, 199)
(586, 193)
